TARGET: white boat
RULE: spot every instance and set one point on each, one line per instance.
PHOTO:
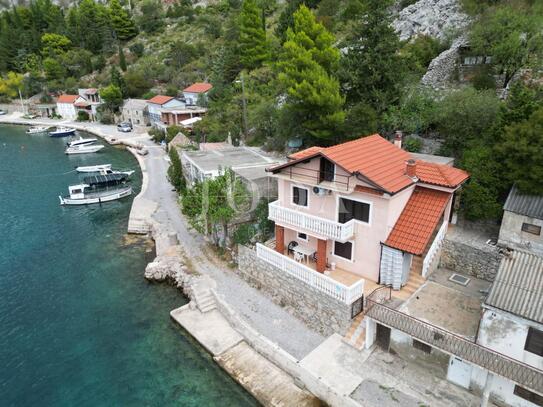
(62, 132)
(79, 195)
(83, 149)
(81, 142)
(110, 171)
(37, 130)
(94, 168)
(97, 189)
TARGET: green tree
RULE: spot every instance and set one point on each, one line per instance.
(54, 44)
(286, 19)
(175, 171)
(53, 69)
(372, 69)
(511, 36)
(10, 84)
(252, 38)
(522, 153)
(150, 19)
(112, 97)
(307, 65)
(118, 80)
(121, 22)
(122, 59)
(136, 84)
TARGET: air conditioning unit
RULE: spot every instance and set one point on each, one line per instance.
(320, 191)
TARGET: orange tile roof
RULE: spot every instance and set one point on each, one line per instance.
(160, 99)
(306, 153)
(418, 220)
(198, 87)
(367, 190)
(382, 163)
(443, 175)
(67, 98)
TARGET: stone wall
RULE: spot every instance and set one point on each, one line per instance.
(319, 311)
(481, 261)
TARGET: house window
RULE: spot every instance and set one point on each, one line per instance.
(528, 395)
(533, 229)
(534, 342)
(302, 236)
(349, 209)
(299, 196)
(327, 170)
(344, 250)
(422, 346)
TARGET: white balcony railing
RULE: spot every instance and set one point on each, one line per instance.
(434, 248)
(319, 226)
(309, 276)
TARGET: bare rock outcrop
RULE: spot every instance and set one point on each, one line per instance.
(436, 18)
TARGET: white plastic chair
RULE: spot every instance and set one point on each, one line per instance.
(299, 257)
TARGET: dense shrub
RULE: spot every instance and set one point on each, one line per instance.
(82, 116)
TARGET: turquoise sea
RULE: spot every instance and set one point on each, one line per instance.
(79, 325)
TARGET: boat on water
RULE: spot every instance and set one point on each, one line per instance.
(37, 130)
(110, 171)
(97, 189)
(94, 168)
(62, 132)
(81, 142)
(83, 149)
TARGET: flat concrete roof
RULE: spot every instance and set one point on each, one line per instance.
(437, 159)
(449, 305)
(233, 157)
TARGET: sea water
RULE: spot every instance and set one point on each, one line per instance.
(79, 325)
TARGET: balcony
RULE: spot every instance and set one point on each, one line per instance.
(321, 282)
(319, 227)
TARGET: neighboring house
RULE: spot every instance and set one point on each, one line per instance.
(135, 111)
(522, 222)
(248, 163)
(365, 207)
(195, 92)
(512, 324)
(157, 104)
(66, 106)
(181, 116)
(91, 103)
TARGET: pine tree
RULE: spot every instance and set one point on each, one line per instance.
(121, 22)
(175, 171)
(372, 69)
(306, 71)
(122, 59)
(118, 80)
(252, 39)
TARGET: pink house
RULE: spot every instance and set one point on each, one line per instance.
(364, 210)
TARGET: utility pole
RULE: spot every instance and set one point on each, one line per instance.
(244, 101)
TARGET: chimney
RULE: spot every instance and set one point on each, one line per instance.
(398, 139)
(411, 168)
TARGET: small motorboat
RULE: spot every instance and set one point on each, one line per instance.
(94, 168)
(81, 142)
(110, 171)
(37, 130)
(62, 132)
(84, 149)
(97, 189)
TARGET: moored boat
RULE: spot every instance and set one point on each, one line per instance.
(97, 189)
(62, 132)
(81, 142)
(94, 168)
(37, 130)
(110, 171)
(83, 149)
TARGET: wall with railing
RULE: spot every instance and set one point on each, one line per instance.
(321, 282)
(320, 226)
(495, 362)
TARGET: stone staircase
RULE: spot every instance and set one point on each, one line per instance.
(412, 285)
(356, 335)
(205, 301)
(138, 227)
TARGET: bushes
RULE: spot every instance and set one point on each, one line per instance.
(171, 132)
(244, 234)
(82, 116)
(175, 171)
(157, 135)
(412, 144)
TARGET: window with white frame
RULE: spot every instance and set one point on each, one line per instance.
(300, 196)
(344, 250)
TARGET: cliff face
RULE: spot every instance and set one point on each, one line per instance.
(436, 18)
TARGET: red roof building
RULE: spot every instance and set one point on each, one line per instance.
(67, 98)
(160, 99)
(198, 87)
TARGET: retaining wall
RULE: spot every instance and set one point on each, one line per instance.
(481, 260)
(319, 311)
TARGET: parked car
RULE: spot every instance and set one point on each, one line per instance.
(124, 127)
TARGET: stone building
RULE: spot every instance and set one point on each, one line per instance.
(522, 222)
